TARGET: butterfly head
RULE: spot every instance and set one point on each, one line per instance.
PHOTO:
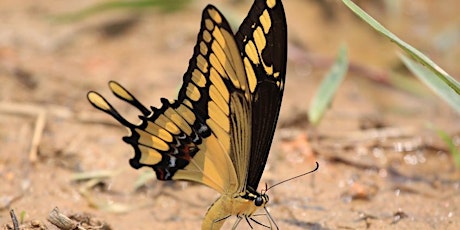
(259, 199)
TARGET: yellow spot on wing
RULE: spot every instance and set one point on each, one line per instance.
(149, 156)
(271, 3)
(259, 38)
(206, 36)
(251, 52)
(98, 101)
(177, 118)
(215, 16)
(185, 113)
(118, 90)
(198, 78)
(209, 24)
(192, 92)
(202, 63)
(265, 21)
(156, 130)
(254, 51)
(268, 69)
(169, 125)
(252, 79)
(217, 34)
(279, 84)
(148, 139)
(203, 48)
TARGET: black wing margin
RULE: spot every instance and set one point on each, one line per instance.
(262, 39)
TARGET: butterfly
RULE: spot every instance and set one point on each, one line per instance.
(219, 130)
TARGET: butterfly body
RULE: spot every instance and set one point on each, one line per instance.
(219, 130)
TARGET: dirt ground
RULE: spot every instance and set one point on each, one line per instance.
(382, 163)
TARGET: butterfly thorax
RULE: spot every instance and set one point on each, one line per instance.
(259, 199)
(242, 205)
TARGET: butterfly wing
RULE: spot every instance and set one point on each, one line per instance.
(262, 39)
(201, 135)
(219, 130)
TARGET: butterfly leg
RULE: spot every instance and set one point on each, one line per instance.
(237, 222)
(249, 223)
(257, 222)
(218, 220)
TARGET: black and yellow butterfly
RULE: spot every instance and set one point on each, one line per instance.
(219, 130)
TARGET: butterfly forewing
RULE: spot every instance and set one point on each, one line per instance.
(203, 135)
(262, 39)
(217, 65)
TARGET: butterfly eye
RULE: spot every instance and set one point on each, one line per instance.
(259, 201)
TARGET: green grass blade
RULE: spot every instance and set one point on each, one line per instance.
(452, 148)
(435, 83)
(323, 97)
(417, 55)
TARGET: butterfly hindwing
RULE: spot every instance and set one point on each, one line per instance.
(165, 139)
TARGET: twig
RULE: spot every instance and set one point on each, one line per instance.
(62, 221)
(40, 120)
(37, 136)
(14, 219)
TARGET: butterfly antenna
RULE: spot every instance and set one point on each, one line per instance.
(292, 178)
(263, 191)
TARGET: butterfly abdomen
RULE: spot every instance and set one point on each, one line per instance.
(227, 206)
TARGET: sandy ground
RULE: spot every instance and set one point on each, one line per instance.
(382, 164)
